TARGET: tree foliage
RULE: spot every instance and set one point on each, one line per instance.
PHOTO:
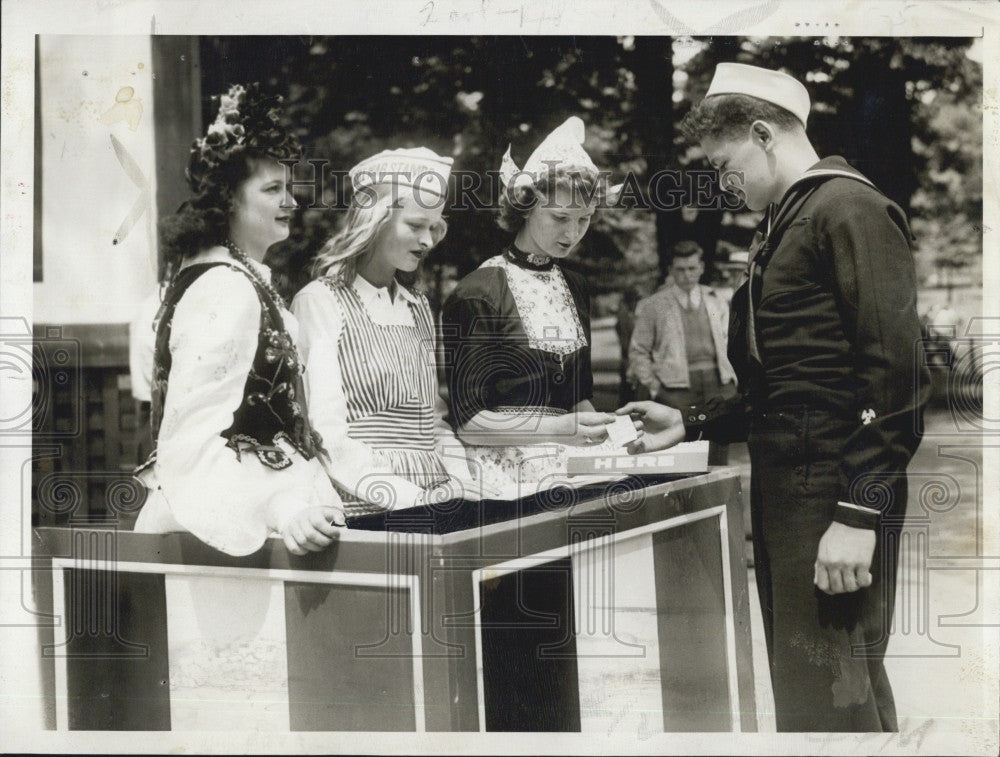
(907, 112)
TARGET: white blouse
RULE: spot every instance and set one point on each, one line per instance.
(321, 323)
(197, 483)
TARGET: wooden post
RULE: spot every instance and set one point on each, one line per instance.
(177, 110)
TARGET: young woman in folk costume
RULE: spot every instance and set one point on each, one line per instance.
(368, 341)
(518, 328)
(235, 457)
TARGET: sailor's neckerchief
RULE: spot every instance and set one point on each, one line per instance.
(773, 226)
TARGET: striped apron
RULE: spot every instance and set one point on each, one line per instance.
(390, 386)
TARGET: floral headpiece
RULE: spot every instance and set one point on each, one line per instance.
(248, 123)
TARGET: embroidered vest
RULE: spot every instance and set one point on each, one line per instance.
(272, 406)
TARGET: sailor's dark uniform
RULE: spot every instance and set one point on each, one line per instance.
(825, 339)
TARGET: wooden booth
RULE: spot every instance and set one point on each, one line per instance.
(618, 607)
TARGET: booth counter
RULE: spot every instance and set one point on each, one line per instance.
(621, 607)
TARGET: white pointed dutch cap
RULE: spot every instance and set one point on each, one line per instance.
(406, 167)
(764, 83)
(564, 145)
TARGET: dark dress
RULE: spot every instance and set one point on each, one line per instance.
(516, 337)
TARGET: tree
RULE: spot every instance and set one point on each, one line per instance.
(905, 111)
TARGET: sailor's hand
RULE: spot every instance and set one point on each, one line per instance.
(662, 426)
(844, 559)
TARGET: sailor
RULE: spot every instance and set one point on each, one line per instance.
(826, 343)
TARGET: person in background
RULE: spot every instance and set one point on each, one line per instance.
(826, 341)
(942, 326)
(236, 459)
(677, 355)
(368, 342)
(517, 329)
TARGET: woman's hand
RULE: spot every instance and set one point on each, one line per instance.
(663, 426)
(584, 428)
(456, 462)
(312, 529)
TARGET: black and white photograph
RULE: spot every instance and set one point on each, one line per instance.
(499, 377)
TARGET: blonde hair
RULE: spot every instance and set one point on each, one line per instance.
(371, 209)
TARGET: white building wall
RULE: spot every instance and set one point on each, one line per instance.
(87, 193)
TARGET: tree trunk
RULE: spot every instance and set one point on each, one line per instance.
(880, 125)
(706, 229)
(654, 117)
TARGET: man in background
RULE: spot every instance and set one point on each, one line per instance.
(677, 355)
